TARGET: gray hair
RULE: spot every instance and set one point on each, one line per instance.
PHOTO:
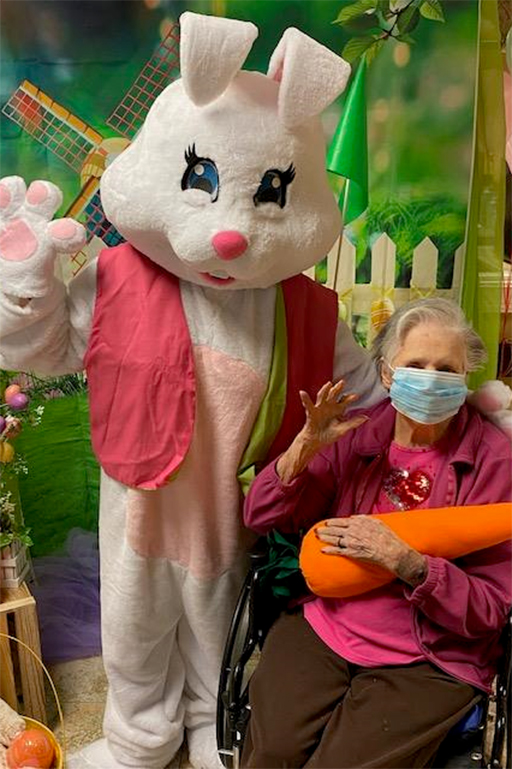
(432, 310)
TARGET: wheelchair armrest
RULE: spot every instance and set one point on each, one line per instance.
(503, 721)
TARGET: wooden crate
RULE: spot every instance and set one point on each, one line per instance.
(21, 674)
(14, 565)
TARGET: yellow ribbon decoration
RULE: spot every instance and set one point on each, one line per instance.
(421, 293)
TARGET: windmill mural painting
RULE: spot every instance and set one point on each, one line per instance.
(85, 150)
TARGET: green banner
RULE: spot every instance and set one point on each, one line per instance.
(481, 286)
(348, 151)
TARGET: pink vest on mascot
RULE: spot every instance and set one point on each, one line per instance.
(140, 366)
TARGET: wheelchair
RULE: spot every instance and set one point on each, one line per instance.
(482, 739)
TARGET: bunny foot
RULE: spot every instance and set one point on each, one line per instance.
(29, 240)
(97, 755)
(202, 748)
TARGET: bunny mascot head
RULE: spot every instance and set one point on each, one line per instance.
(225, 185)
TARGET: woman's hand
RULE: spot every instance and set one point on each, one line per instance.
(369, 539)
(324, 425)
(325, 422)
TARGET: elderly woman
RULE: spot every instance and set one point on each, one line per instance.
(378, 680)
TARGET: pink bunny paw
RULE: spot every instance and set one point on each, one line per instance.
(29, 240)
(68, 236)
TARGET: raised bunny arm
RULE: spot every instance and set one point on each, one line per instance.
(354, 365)
(43, 326)
(49, 335)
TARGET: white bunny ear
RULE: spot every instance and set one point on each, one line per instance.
(212, 51)
(310, 76)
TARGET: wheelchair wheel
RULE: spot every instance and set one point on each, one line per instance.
(257, 609)
(233, 696)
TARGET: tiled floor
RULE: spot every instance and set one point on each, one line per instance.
(82, 688)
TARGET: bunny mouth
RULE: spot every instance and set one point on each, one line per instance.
(217, 278)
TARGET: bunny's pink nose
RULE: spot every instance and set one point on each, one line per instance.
(229, 244)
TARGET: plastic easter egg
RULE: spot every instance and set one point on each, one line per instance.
(18, 402)
(13, 389)
(6, 452)
(3, 424)
(30, 748)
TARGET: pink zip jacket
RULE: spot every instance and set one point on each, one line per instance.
(458, 613)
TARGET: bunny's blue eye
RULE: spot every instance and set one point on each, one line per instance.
(273, 186)
(200, 174)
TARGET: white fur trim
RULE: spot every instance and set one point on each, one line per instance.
(212, 51)
(311, 76)
(492, 396)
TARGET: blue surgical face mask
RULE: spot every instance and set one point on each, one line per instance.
(428, 397)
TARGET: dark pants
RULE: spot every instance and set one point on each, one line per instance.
(311, 708)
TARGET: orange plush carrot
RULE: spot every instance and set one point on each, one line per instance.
(448, 532)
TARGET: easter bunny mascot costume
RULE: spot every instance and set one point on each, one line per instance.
(187, 332)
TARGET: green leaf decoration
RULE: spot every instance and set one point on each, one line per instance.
(356, 47)
(373, 50)
(432, 9)
(383, 8)
(373, 22)
(354, 10)
(281, 573)
(409, 19)
(367, 24)
(26, 539)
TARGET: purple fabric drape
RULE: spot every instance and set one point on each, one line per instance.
(66, 589)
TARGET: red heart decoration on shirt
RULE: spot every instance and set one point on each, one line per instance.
(407, 490)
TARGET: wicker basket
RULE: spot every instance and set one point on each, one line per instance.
(31, 723)
(14, 565)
